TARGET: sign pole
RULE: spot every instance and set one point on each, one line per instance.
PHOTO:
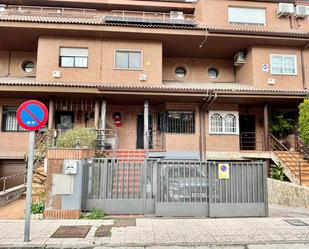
(29, 185)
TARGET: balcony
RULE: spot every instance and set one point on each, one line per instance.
(154, 18)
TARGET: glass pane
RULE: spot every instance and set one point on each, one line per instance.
(180, 72)
(81, 62)
(9, 119)
(276, 65)
(246, 15)
(135, 60)
(67, 62)
(230, 123)
(122, 59)
(216, 125)
(289, 65)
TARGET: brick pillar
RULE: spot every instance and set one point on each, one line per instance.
(53, 203)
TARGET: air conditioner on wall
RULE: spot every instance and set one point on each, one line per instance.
(285, 9)
(301, 11)
(239, 58)
(176, 15)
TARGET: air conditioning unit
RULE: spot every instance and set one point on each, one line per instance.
(301, 11)
(176, 15)
(56, 74)
(239, 58)
(285, 9)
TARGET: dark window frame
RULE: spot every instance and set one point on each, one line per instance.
(4, 118)
(74, 58)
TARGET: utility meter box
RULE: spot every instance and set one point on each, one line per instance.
(70, 167)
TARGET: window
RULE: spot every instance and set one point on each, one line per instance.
(128, 60)
(180, 72)
(180, 122)
(245, 15)
(28, 66)
(223, 122)
(9, 120)
(213, 73)
(74, 57)
(283, 64)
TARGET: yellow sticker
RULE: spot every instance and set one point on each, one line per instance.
(147, 63)
(224, 171)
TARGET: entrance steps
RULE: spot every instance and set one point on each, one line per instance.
(296, 164)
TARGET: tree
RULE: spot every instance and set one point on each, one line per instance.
(304, 120)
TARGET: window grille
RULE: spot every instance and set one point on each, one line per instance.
(9, 122)
(177, 122)
(223, 122)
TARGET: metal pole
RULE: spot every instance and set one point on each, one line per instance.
(29, 186)
(146, 125)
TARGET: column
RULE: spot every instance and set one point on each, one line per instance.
(51, 113)
(146, 124)
(102, 124)
(266, 126)
(96, 113)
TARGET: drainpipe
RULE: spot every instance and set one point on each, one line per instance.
(303, 66)
(209, 101)
(9, 65)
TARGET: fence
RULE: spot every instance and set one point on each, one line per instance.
(174, 188)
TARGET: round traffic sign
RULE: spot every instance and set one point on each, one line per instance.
(32, 115)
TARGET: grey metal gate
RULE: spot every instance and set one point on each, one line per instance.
(244, 193)
(182, 188)
(174, 188)
(114, 185)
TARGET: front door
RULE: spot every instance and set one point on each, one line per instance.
(64, 121)
(247, 132)
(140, 131)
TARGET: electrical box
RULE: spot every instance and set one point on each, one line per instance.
(56, 74)
(143, 77)
(70, 167)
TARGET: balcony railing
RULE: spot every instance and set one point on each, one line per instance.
(48, 11)
(140, 17)
(252, 141)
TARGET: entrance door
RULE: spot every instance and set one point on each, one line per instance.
(247, 132)
(64, 121)
(140, 131)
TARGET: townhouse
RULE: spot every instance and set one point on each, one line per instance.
(170, 79)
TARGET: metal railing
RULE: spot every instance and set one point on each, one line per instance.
(252, 141)
(276, 145)
(4, 181)
(107, 139)
(49, 11)
(301, 147)
(156, 140)
(154, 17)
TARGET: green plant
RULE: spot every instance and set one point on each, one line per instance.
(280, 126)
(37, 207)
(94, 214)
(83, 137)
(303, 121)
(276, 172)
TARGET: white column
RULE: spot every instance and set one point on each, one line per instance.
(146, 124)
(51, 113)
(96, 113)
(103, 124)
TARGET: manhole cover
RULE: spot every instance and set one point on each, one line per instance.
(125, 223)
(71, 232)
(103, 231)
(295, 222)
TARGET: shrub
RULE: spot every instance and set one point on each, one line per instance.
(37, 207)
(70, 138)
(276, 172)
(279, 126)
(303, 121)
(94, 214)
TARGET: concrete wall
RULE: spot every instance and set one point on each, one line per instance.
(207, 12)
(287, 194)
(101, 61)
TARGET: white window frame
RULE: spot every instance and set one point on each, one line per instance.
(74, 57)
(223, 115)
(129, 50)
(247, 22)
(283, 55)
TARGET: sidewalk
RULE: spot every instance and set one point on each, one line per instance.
(160, 231)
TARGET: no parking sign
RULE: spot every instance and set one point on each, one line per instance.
(31, 115)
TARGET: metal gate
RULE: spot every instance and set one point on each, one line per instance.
(175, 188)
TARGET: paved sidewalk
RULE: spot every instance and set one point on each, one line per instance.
(159, 231)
